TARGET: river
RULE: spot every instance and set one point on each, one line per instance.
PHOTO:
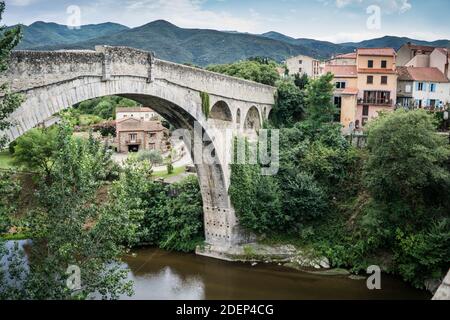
(163, 275)
(159, 274)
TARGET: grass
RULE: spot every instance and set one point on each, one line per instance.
(164, 174)
(5, 160)
(14, 236)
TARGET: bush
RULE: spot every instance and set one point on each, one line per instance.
(425, 254)
(153, 156)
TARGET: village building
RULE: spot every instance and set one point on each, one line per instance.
(343, 59)
(366, 88)
(413, 55)
(302, 64)
(137, 129)
(426, 88)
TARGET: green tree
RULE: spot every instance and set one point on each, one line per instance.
(407, 162)
(319, 100)
(36, 149)
(70, 228)
(301, 81)
(153, 156)
(264, 72)
(289, 106)
(9, 38)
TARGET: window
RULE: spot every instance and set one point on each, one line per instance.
(338, 102)
(384, 79)
(365, 111)
(420, 86)
(433, 87)
(341, 84)
(370, 64)
(300, 61)
(133, 137)
(408, 88)
(369, 79)
(300, 70)
(383, 64)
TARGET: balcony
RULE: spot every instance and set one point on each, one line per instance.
(376, 102)
(133, 142)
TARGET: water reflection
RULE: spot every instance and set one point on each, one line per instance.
(159, 274)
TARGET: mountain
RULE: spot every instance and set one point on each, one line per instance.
(324, 48)
(42, 34)
(395, 42)
(198, 46)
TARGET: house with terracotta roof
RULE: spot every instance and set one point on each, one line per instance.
(137, 129)
(440, 58)
(343, 59)
(364, 88)
(426, 88)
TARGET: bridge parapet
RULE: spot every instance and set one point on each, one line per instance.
(31, 69)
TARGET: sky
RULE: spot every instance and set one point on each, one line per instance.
(330, 20)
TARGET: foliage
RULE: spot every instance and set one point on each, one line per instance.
(106, 128)
(9, 189)
(104, 107)
(289, 106)
(255, 197)
(424, 254)
(258, 70)
(153, 156)
(35, 149)
(407, 163)
(206, 106)
(68, 227)
(319, 100)
(169, 216)
(301, 81)
(9, 102)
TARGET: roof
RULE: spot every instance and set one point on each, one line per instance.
(133, 109)
(133, 124)
(424, 49)
(351, 55)
(341, 71)
(403, 74)
(350, 91)
(301, 56)
(421, 74)
(383, 52)
(444, 51)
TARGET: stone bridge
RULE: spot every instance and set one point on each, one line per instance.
(52, 81)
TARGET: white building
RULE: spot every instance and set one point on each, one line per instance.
(423, 88)
(141, 113)
(304, 65)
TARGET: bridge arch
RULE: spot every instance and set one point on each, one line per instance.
(253, 119)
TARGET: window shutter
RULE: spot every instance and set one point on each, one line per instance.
(425, 86)
(417, 86)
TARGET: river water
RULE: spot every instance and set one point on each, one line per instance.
(159, 274)
(162, 275)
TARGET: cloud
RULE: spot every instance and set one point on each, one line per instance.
(388, 6)
(20, 3)
(184, 13)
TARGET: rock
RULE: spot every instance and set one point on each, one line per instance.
(443, 292)
(316, 266)
(254, 264)
(325, 263)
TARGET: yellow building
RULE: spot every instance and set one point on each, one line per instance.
(366, 88)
